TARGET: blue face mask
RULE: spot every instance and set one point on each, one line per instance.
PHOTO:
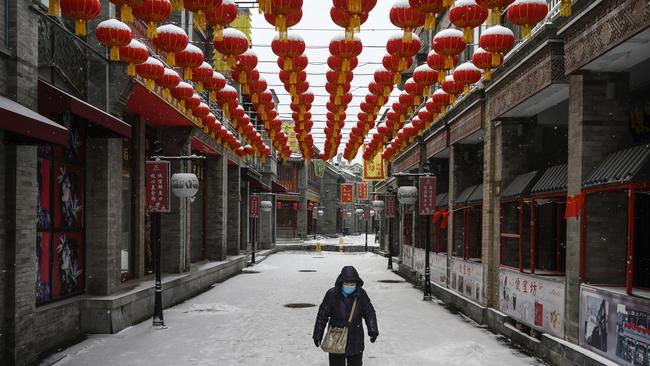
(348, 290)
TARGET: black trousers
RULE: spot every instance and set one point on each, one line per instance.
(339, 360)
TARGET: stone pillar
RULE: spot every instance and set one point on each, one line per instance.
(176, 224)
(491, 213)
(138, 176)
(103, 216)
(4, 253)
(234, 200)
(246, 240)
(217, 188)
(598, 126)
(303, 175)
(265, 224)
(21, 235)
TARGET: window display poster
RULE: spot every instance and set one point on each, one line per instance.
(615, 325)
(68, 196)
(437, 265)
(533, 300)
(43, 209)
(68, 264)
(467, 279)
(42, 284)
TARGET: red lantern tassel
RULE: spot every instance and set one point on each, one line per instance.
(342, 78)
(171, 59)
(452, 99)
(213, 95)
(199, 20)
(115, 53)
(346, 65)
(217, 33)
(565, 8)
(466, 88)
(126, 15)
(242, 77)
(246, 89)
(80, 28)
(226, 111)
(495, 16)
(397, 77)
(525, 31)
(468, 35)
(281, 26)
(408, 35)
(293, 78)
(441, 77)
(288, 64)
(181, 104)
(187, 73)
(151, 30)
(131, 70)
(177, 5)
(487, 75)
(199, 87)
(265, 6)
(54, 8)
(430, 21)
(149, 84)
(496, 59)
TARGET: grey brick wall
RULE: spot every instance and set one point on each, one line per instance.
(103, 216)
(139, 158)
(234, 201)
(491, 211)
(303, 174)
(245, 221)
(217, 187)
(4, 260)
(329, 198)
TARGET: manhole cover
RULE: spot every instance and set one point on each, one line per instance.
(250, 272)
(299, 306)
(307, 270)
(391, 281)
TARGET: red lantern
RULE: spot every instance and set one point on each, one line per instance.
(201, 74)
(404, 16)
(134, 53)
(114, 34)
(527, 13)
(467, 74)
(343, 48)
(297, 63)
(403, 50)
(467, 15)
(171, 39)
(292, 47)
(339, 77)
(449, 43)
(233, 44)
(208, 121)
(395, 64)
(198, 9)
(214, 83)
(188, 59)
(292, 77)
(150, 70)
(225, 97)
(169, 80)
(345, 19)
(452, 87)
(183, 91)
(245, 63)
(483, 60)
(201, 110)
(287, 14)
(497, 40)
(496, 8)
(337, 63)
(425, 76)
(153, 12)
(220, 17)
(441, 98)
(80, 11)
(429, 8)
(193, 101)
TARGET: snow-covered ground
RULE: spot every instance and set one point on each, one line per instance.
(347, 240)
(243, 321)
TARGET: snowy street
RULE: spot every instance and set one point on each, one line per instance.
(244, 321)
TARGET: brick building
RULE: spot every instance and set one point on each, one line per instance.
(564, 119)
(75, 239)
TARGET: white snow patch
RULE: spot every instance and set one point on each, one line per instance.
(498, 30)
(233, 33)
(113, 24)
(449, 32)
(171, 29)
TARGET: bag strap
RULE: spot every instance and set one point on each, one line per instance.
(354, 305)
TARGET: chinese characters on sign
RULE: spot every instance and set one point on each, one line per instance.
(390, 206)
(254, 207)
(373, 169)
(157, 186)
(427, 189)
(362, 191)
(347, 193)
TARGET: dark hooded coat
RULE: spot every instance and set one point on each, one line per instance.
(336, 308)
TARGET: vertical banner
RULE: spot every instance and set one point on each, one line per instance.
(390, 206)
(157, 186)
(319, 167)
(254, 207)
(427, 190)
(347, 193)
(362, 191)
(373, 169)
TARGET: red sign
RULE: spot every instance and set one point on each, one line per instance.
(427, 190)
(347, 194)
(366, 213)
(157, 186)
(254, 207)
(362, 191)
(390, 206)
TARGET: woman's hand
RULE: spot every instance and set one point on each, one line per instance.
(317, 342)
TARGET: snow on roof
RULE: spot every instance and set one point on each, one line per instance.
(498, 30)
(233, 33)
(449, 32)
(113, 24)
(172, 29)
(467, 66)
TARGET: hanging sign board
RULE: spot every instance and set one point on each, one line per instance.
(254, 207)
(390, 206)
(347, 193)
(157, 186)
(427, 191)
(362, 191)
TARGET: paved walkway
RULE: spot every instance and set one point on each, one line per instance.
(243, 321)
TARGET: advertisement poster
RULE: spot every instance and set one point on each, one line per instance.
(437, 265)
(407, 256)
(615, 325)
(347, 194)
(534, 300)
(467, 279)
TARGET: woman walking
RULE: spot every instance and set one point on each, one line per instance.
(345, 305)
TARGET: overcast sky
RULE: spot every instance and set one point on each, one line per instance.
(317, 28)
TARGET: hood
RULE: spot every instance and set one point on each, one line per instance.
(349, 273)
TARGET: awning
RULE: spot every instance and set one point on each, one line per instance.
(21, 120)
(464, 195)
(277, 187)
(623, 166)
(477, 195)
(154, 109)
(203, 148)
(554, 180)
(257, 186)
(520, 186)
(293, 198)
(442, 200)
(52, 100)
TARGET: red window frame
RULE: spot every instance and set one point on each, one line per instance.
(518, 235)
(467, 224)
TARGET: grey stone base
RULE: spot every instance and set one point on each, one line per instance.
(553, 350)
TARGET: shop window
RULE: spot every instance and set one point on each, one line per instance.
(641, 266)
(550, 236)
(459, 232)
(475, 234)
(511, 236)
(127, 242)
(60, 245)
(198, 208)
(442, 235)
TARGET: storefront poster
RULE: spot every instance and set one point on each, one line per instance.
(533, 300)
(68, 264)
(43, 209)
(615, 325)
(43, 292)
(68, 196)
(467, 279)
(347, 194)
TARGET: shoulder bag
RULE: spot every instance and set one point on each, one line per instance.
(336, 339)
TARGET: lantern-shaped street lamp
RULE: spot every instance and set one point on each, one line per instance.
(266, 206)
(407, 195)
